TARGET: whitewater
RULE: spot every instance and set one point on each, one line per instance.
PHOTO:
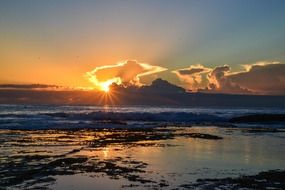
(65, 117)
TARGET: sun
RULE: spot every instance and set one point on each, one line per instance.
(105, 88)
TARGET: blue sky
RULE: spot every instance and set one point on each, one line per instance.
(72, 37)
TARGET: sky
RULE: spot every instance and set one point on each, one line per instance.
(67, 42)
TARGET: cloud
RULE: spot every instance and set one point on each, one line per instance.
(126, 73)
(265, 78)
(192, 75)
(160, 86)
(258, 78)
(248, 67)
(28, 86)
(219, 81)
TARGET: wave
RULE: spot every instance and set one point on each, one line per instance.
(52, 117)
(140, 116)
(101, 119)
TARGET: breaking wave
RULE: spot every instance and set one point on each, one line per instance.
(65, 117)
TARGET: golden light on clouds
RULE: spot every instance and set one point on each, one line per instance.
(126, 73)
(105, 86)
(192, 75)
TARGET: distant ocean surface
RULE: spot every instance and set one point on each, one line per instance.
(70, 117)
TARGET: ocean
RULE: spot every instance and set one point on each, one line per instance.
(65, 117)
(138, 147)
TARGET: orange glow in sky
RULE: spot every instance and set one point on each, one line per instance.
(126, 72)
(105, 86)
(60, 43)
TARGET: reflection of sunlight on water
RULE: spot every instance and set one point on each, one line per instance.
(200, 149)
(101, 153)
(106, 108)
(247, 152)
(105, 152)
(177, 160)
(81, 181)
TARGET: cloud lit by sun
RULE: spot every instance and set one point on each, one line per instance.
(126, 73)
(105, 86)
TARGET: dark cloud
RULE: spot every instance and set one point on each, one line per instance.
(158, 86)
(265, 78)
(27, 86)
(159, 93)
(190, 71)
(162, 87)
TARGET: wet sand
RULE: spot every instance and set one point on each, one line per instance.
(170, 157)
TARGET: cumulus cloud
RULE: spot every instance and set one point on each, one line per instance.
(265, 78)
(259, 78)
(248, 67)
(219, 81)
(126, 73)
(192, 75)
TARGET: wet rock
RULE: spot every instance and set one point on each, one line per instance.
(259, 118)
(273, 179)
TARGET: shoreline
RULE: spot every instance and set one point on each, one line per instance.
(35, 158)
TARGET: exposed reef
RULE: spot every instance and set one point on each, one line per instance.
(259, 118)
(273, 179)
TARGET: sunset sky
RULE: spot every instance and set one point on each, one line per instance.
(219, 45)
